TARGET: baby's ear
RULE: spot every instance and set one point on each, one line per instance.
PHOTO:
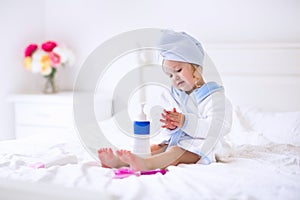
(198, 68)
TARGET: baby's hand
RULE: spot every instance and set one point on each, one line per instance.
(167, 122)
(172, 119)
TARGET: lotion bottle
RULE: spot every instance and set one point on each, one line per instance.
(141, 128)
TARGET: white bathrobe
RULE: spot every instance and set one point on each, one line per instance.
(208, 118)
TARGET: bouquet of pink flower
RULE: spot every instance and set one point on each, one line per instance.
(47, 59)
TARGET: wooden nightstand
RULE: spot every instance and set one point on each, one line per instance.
(42, 113)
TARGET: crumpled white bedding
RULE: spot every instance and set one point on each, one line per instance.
(269, 171)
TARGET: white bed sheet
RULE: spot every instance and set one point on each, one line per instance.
(270, 171)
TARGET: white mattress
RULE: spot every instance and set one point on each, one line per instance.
(254, 170)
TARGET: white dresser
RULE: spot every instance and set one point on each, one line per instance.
(43, 113)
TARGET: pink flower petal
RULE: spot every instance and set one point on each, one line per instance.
(48, 46)
(54, 59)
(30, 49)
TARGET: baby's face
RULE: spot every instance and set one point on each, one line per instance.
(181, 74)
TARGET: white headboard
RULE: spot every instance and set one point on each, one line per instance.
(262, 75)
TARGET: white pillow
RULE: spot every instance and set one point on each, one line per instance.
(241, 133)
(278, 127)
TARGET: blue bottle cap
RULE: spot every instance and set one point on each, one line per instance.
(141, 127)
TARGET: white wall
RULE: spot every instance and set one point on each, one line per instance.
(84, 24)
(20, 22)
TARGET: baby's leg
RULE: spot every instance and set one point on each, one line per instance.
(108, 159)
(158, 148)
(174, 156)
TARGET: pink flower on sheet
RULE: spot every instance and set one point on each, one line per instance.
(48, 46)
(54, 59)
(30, 49)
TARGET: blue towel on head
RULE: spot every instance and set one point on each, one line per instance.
(179, 46)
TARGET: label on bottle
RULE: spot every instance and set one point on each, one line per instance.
(141, 127)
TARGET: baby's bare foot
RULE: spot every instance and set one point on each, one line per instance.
(136, 163)
(108, 159)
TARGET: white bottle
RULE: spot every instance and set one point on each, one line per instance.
(141, 128)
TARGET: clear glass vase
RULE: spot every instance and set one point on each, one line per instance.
(50, 85)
